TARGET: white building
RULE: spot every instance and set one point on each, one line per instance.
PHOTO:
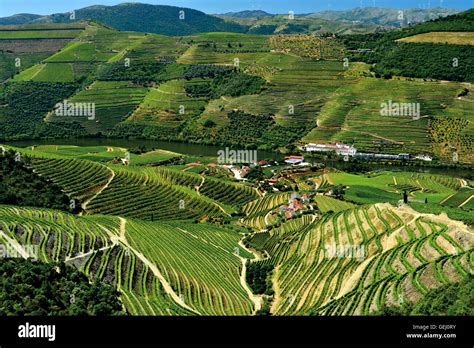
(424, 158)
(340, 149)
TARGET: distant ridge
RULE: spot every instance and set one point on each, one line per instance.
(21, 18)
(247, 14)
(160, 19)
(172, 20)
(384, 16)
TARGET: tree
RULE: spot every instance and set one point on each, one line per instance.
(209, 124)
(44, 289)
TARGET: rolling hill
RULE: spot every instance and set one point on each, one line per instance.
(384, 16)
(160, 19)
(163, 237)
(21, 18)
(266, 91)
(247, 14)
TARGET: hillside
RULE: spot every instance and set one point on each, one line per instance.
(301, 24)
(247, 14)
(160, 19)
(176, 239)
(168, 20)
(384, 16)
(421, 50)
(21, 18)
(264, 91)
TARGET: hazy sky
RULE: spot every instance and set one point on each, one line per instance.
(9, 7)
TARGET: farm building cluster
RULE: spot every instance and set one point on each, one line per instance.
(296, 205)
(350, 150)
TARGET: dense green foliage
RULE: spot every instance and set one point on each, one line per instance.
(7, 62)
(141, 72)
(259, 278)
(245, 128)
(60, 130)
(266, 29)
(35, 288)
(199, 90)
(27, 105)
(428, 60)
(158, 19)
(461, 214)
(423, 60)
(206, 70)
(21, 18)
(19, 185)
(235, 84)
(463, 21)
(226, 84)
(455, 299)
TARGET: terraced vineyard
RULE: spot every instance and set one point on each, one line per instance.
(178, 233)
(214, 290)
(168, 104)
(175, 242)
(400, 255)
(228, 193)
(130, 195)
(326, 204)
(138, 191)
(266, 203)
(99, 246)
(351, 116)
(79, 179)
(460, 198)
(113, 101)
(311, 94)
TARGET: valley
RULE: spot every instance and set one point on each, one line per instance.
(349, 188)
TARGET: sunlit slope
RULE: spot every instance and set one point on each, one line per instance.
(353, 115)
(357, 261)
(98, 181)
(160, 268)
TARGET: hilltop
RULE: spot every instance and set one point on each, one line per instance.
(354, 21)
(21, 18)
(247, 14)
(384, 16)
(171, 20)
(160, 19)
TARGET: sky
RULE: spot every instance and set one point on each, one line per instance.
(43, 7)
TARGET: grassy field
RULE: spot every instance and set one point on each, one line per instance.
(451, 38)
(389, 186)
